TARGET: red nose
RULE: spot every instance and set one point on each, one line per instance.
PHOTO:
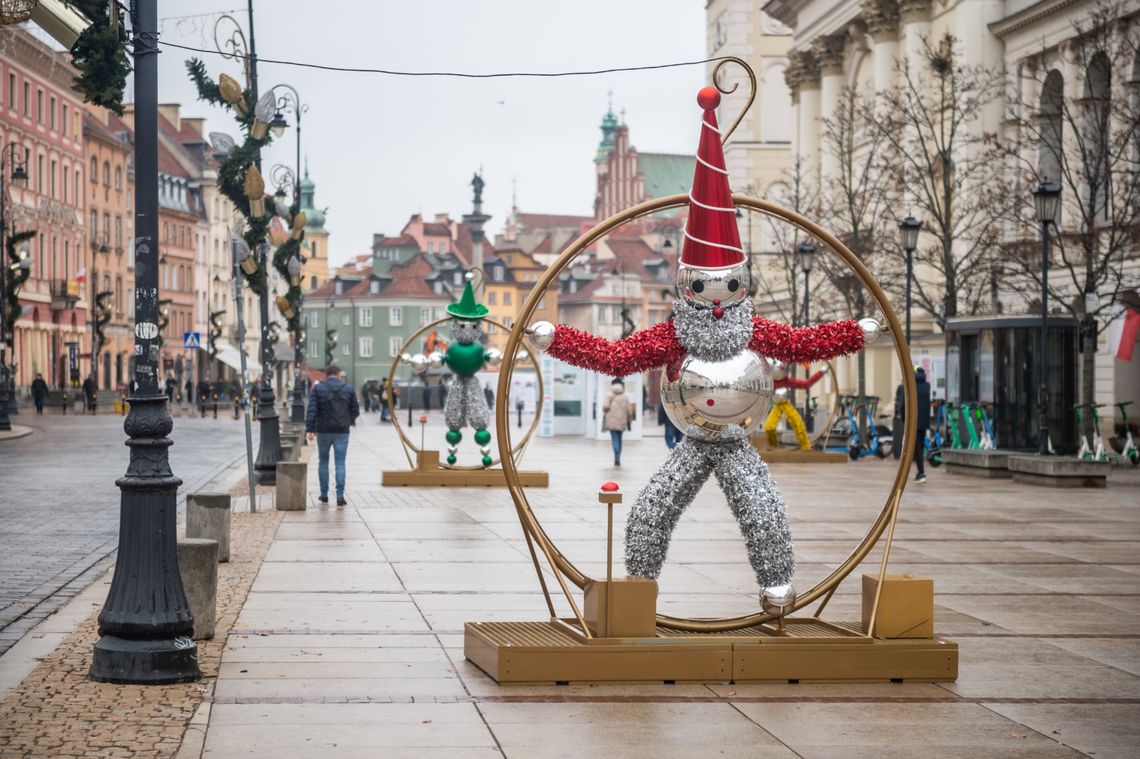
(716, 302)
(717, 312)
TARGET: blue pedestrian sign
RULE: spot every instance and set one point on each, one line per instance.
(192, 340)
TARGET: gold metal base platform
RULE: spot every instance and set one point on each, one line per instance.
(811, 650)
(796, 455)
(429, 474)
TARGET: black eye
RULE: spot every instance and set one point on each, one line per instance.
(733, 285)
(698, 286)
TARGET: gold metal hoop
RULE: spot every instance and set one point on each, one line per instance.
(888, 516)
(515, 453)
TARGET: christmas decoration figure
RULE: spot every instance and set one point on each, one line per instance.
(784, 407)
(465, 355)
(717, 385)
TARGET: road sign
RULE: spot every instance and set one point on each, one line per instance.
(192, 340)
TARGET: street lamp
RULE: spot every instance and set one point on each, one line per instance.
(145, 627)
(805, 255)
(19, 174)
(908, 234)
(290, 100)
(1046, 201)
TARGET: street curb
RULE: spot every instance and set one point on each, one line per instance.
(17, 431)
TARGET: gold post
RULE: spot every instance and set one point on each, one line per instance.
(609, 495)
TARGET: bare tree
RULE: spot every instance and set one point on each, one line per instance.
(1089, 144)
(853, 204)
(940, 167)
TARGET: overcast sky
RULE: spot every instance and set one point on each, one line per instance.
(381, 148)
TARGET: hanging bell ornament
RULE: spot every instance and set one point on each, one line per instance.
(285, 307)
(231, 92)
(299, 221)
(254, 187)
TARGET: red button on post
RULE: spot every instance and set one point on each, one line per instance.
(710, 402)
(610, 487)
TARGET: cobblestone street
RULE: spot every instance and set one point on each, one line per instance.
(59, 507)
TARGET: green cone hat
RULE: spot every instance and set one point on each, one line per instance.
(467, 308)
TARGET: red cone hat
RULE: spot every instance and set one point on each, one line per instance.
(712, 239)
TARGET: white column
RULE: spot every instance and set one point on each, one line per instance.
(807, 115)
(829, 53)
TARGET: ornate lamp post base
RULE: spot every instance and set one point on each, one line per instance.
(269, 447)
(145, 662)
(297, 410)
(145, 626)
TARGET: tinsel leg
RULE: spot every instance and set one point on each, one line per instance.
(796, 422)
(756, 503)
(660, 504)
(771, 422)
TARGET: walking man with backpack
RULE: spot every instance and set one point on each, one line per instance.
(332, 411)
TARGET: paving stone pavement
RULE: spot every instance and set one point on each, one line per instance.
(350, 641)
(59, 507)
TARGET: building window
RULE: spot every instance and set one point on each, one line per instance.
(27, 99)
(313, 348)
(492, 299)
(51, 113)
(438, 287)
(94, 169)
(497, 273)
(94, 225)
(346, 350)
(64, 124)
(313, 318)
(366, 317)
(118, 177)
(346, 320)
(542, 302)
(12, 91)
(507, 298)
(374, 286)
(366, 347)
(119, 233)
(458, 278)
(106, 173)
(425, 317)
(339, 288)
(39, 106)
(394, 345)
(51, 177)
(395, 317)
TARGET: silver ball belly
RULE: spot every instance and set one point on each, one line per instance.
(718, 395)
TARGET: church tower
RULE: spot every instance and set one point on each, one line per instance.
(315, 246)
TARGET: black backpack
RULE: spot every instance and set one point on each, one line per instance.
(340, 410)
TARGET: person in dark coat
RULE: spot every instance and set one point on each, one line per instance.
(923, 404)
(332, 412)
(672, 434)
(89, 394)
(39, 393)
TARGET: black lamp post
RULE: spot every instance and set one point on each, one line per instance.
(269, 444)
(1046, 201)
(19, 174)
(145, 627)
(805, 255)
(291, 100)
(908, 234)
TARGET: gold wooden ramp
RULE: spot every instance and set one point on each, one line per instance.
(812, 650)
(430, 474)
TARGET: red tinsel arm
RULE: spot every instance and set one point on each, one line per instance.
(799, 384)
(643, 350)
(819, 343)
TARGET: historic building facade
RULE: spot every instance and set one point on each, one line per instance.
(43, 118)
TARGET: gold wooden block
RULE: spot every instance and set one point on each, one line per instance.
(427, 461)
(906, 606)
(606, 497)
(634, 608)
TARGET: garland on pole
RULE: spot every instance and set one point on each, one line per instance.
(100, 54)
(17, 277)
(242, 188)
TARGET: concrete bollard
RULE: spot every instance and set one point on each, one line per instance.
(198, 564)
(292, 479)
(208, 516)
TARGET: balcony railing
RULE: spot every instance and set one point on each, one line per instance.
(64, 294)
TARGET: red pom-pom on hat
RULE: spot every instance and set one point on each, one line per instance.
(708, 98)
(712, 239)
